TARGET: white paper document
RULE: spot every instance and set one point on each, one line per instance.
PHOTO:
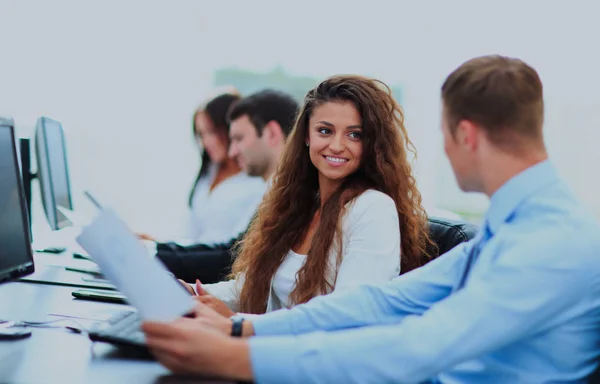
(125, 261)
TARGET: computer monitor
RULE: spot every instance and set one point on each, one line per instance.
(53, 172)
(16, 255)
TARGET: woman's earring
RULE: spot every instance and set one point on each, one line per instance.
(306, 143)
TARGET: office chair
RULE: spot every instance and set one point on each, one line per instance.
(595, 376)
(447, 234)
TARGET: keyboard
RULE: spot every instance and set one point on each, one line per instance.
(123, 329)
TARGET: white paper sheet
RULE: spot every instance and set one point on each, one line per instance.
(124, 260)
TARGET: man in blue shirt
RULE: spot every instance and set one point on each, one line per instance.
(518, 304)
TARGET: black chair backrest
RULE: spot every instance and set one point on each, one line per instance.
(595, 377)
(447, 234)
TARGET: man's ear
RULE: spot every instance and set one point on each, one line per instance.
(272, 132)
(468, 135)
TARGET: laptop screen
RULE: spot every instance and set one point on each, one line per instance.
(16, 259)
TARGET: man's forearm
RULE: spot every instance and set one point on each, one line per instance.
(247, 329)
(410, 294)
(361, 306)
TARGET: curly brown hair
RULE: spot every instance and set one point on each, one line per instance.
(285, 214)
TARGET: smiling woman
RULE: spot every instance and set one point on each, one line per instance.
(335, 145)
(343, 209)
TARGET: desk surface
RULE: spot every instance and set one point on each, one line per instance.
(55, 355)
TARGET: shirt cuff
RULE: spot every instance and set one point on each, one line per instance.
(273, 358)
(274, 323)
(248, 316)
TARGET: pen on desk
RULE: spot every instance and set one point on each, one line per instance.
(93, 200)
(77, 255)
(55, 250)
(93, 273)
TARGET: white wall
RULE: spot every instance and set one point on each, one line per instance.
(124, 77)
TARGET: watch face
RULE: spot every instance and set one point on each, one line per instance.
(236, 326)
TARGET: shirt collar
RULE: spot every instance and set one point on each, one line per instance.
(505, 201)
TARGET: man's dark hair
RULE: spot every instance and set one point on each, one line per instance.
(265, 106)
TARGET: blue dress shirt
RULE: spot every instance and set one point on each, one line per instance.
(528, 311)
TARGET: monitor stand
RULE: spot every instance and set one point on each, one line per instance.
(27, 176)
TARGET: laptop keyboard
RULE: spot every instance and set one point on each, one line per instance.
(123, 328)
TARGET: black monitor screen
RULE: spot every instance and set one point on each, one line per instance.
(53, 173)
(16, 259)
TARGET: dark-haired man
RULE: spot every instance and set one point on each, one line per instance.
(259, 125)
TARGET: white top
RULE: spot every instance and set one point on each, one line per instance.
(284, 280)
(222, 214)
(371, 254)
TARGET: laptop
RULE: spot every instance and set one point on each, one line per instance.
(125, 261)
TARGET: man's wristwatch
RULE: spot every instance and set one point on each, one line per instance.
(236, 325)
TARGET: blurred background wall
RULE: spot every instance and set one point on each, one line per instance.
(125, 76)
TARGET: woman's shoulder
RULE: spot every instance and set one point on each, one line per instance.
(371, 198)
(371, 203)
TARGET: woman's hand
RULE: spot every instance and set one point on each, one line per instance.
(201, 291)
(212, 302)
(188, 287)
(216, 305)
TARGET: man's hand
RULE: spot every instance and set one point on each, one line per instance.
(207, 316)
(189, 346)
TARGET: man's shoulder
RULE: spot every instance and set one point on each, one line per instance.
(558, 230)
